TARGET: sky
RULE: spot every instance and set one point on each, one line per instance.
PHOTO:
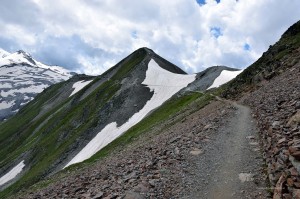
(90, 36)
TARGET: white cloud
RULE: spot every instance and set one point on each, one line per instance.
(178, 30)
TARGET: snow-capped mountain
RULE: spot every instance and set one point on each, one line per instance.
(22, 78)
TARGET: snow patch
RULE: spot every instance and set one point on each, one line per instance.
(12, 173)
(5, 85)
(79, 85)
(224, 77)
(5, 105)
(164, 84)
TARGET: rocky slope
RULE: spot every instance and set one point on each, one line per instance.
(22, 78)
(277, 108)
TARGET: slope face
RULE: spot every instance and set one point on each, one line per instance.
(22, 78)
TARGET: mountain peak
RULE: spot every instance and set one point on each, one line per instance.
(3, 53)
(26, 56)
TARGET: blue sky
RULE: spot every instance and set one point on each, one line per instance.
(91, 36)
(202, 2)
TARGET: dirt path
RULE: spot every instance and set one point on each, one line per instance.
(231, 164)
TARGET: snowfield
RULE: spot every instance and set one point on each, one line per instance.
(224, 77)
(12, 173)
(79, 85)
(164, 84)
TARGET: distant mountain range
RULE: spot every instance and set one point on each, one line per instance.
(22, 78)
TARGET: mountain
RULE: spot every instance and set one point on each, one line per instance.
(73, 120)
(22, 78)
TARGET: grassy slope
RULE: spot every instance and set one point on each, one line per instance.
(70, 120)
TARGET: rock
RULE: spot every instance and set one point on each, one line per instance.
(141, 188)
(275, 124)
(153, 182)
(196, 151)
(295, 119)
(175, 139)
(177, 151)
(290, 182)
(99, 195)
(130, 176)
(281, 140)
(278, 188)
(293, 171)
(287, 196)
(253, 143)
(296, 155)
(292, 149)
(246, 177)
(283, 157)
(133, 195)
(207, 127)
(297, 184)
(295, 163)
(296, 193)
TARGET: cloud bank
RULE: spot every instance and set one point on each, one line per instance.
(91, 36)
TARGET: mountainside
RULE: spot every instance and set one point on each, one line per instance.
(22, 78)
(72, 121)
